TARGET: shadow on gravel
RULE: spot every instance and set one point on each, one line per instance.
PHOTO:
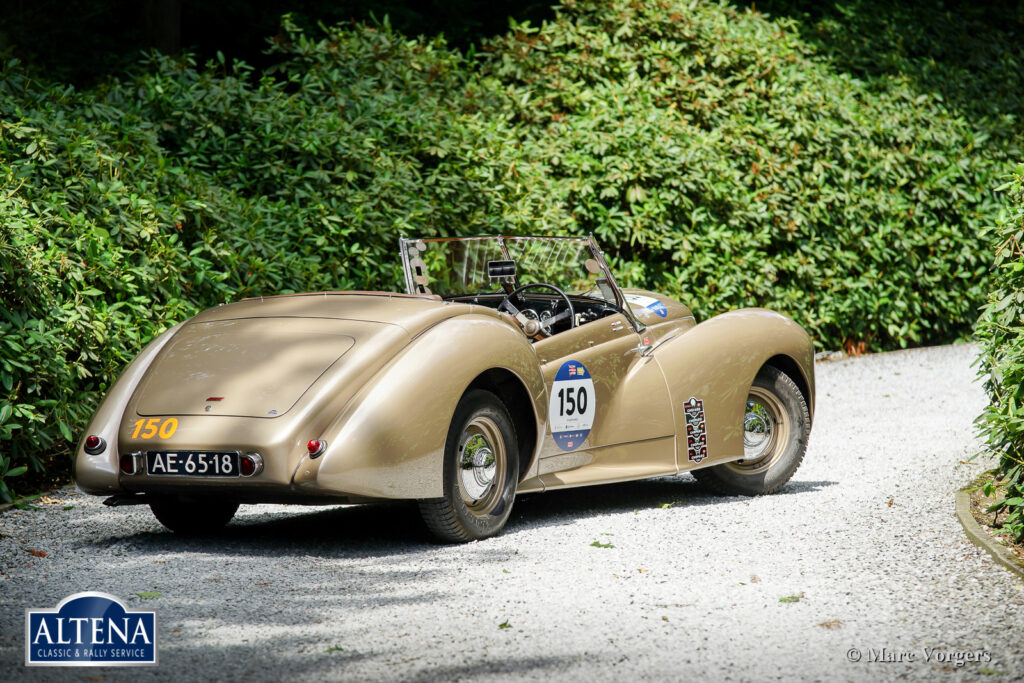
(557, 507)
(323, 659)
(395, 530)
(350, 531)
(480, 669)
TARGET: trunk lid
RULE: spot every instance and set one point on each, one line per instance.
(247, 367)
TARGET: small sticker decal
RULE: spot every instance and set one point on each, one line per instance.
(696, 431)
(572, 406)
(616, 325)
(648, 303)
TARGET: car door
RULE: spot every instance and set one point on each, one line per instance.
(609, 415)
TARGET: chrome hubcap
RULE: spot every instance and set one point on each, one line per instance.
(758, 430)
(765, 432)
(481, 465)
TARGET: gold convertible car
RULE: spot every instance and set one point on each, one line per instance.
(510, 365)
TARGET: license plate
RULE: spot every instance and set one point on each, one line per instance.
(192, 463)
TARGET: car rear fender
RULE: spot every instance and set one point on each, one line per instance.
(98, 474)
(389, 441)
(716, 361)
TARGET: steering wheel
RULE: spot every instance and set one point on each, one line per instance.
(532, 326)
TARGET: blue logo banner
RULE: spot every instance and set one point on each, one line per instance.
(90, 629)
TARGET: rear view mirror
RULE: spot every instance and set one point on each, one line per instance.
(501, 270)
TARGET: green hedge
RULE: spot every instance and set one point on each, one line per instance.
(1001, 333)
(134, 206)
(725, 163)
(715, 152)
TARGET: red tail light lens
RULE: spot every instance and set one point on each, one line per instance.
(316, 447)
(94, 444)
(251, 464)
(128, 463)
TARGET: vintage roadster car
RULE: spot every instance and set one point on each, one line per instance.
(510, 365)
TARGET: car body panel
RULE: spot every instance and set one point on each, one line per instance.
(397, 456)
(378, 375)
(98, 474)
(211, 359)
(716, 362)
(631, 402)
(610, 464)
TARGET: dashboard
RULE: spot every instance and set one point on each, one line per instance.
(543, 307)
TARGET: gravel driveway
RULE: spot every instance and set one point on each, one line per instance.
(860, 552)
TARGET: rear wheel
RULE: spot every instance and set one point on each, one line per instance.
(193, 516)
(481, 468)
(776, 425)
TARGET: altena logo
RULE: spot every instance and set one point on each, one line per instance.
(90, 629)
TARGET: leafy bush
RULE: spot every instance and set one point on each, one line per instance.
(718, 154)
(723, 161)
(1001, 333)
(133, 206)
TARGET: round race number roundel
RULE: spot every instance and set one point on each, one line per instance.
(572, 406)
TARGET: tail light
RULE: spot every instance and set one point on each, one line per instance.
(131, 463)
(316, 447)
(94, 445)
(251, 464)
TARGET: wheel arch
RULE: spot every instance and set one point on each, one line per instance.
(716, 362)
(511, 391)
(389, 440)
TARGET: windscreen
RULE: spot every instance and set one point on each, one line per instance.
(453, 267)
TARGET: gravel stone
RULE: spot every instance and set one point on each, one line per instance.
(860, 551)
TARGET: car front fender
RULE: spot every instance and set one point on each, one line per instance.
(716, 362)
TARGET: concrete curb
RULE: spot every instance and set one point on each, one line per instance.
(982, 538)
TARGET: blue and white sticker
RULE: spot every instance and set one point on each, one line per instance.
(649, 303)
(572, 406)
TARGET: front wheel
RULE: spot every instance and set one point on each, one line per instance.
(776, 425)
(481, 472)
(193, 517)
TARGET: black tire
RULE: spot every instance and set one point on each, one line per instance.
(193, 517)
(477, 497)
(775, 429)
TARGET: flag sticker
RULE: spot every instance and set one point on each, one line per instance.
(648, 303)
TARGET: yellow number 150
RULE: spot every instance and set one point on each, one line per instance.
(147, 429)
